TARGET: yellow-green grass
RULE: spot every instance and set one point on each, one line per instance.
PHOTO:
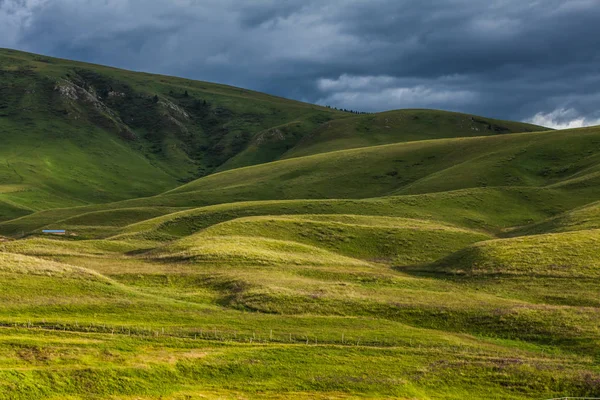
(298, 283)
(382, 239)
(40, 289)
(49, 247)
(288, 278)
(19, 264)
(294, 296)
(570, 254)
(81, 366)
(276, 305)
(242, 250)
(484, 209)
(291, 290)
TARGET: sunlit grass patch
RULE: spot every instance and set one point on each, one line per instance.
(571, 254)
(248, 250)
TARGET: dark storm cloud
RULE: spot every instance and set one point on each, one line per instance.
(518, 59)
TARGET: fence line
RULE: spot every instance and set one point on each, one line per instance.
(207, 334)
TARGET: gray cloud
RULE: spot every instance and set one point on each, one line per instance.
(517, 59)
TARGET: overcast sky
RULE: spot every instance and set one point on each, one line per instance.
(530, 60)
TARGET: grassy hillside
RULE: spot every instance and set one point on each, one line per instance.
(77, 133)
(223, 243)
(571, 254)
(261, 306)
(488, 210)
(523, 160)
(398, 240)
(491, 210)
(579, 219)
(400, 126)
(551, 172)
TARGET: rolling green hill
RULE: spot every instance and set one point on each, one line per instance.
(370, 130)
(534, 159)
(400, 126)
(223, 243)
(579, 219)
(571, 254)
(76, 133)
(108, 134)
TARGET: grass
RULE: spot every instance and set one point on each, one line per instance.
(208, 325)
(241, 250)
(234, 370)
(158, 319)
(401, 240)
(400, 126)
(110, 134)
(519, 160)
(486, 209)
(569, 254)
(413, 254)
(490, 210)
(579, 219)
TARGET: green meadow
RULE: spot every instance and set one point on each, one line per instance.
(222, 243)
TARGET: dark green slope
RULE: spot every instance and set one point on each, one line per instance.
(75, 133)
